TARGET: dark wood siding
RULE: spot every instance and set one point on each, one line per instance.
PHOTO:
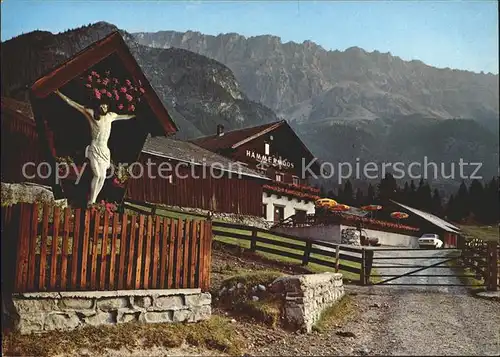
(20, 145)
(225, 194)
(284, 145)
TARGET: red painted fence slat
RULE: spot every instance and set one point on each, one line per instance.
(33, 246)
(147, 252)
(55, 244)
(64, 252)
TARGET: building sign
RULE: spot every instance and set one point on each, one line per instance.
(270, 160)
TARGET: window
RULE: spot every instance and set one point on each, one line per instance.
(266, 149)
(300, 216)
(295, 180)
(279, 177)
(279, 213)
(264, 211)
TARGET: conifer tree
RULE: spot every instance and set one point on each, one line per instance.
(477, 201)
(370, 195)
(437, 207)
(347, 193)
(359, 200)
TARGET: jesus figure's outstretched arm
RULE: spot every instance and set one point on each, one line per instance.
(124, 116)
(72, 103)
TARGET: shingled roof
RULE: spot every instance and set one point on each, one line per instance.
(231, 139)
(18, 108)
(190, 153)
(436, 221)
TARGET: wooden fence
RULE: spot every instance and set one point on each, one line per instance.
(53, 249)
(302, 250)
(481, 257)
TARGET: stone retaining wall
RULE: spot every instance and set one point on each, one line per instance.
(306, 296)
(40, 312)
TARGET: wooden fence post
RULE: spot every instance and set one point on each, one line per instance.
(337, 259)
(368, 266)
(362, 278)
(253, 241)
(492, 270)
(307, 253)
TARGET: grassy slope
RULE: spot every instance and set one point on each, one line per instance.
(215, 334)
(316, 268)
(487, 233)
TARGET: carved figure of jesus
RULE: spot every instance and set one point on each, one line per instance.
(98, 153)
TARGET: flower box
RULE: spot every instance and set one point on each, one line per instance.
(290, 192)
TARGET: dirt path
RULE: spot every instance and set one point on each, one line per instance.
(399, 320)
(393, 321)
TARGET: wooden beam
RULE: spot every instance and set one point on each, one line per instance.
(75, 66)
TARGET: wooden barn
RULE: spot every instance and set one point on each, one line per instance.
(276, 151)
(197, 178)
(20, 144)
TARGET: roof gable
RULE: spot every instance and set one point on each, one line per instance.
(92, 55)
(236, 138)
(441, 223)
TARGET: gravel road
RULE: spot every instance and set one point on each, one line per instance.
(399, 320)
(402, 261)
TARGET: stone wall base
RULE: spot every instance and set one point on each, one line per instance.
(306, 296)
(39, 312)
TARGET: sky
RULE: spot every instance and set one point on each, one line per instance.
(454, 34)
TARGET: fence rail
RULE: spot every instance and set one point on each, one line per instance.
(69, 250)
(305, 251)
(482, 257)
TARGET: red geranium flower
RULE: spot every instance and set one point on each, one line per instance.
(123, 90)
(129, 97)
(120, 106)
(109, 95)
(131, 108)
(103, 91)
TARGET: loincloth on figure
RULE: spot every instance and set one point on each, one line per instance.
(99, 155)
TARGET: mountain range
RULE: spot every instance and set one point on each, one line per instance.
(343, 105)
(305, 82)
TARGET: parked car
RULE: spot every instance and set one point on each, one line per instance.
(430, 240)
